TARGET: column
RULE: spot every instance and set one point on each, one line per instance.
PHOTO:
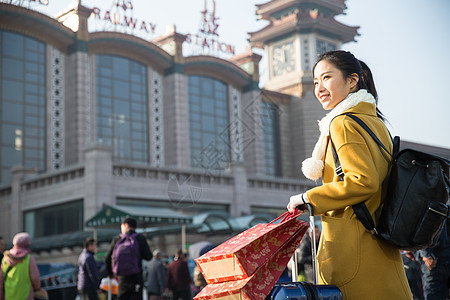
(98, 179)
(240, 205)
(16, 213)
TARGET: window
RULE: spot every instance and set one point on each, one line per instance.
(121, 103)
(209, 134)
(271, 138)
(323, 46)
(56, 219)
(22, 108)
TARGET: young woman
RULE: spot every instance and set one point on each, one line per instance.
(360, 264)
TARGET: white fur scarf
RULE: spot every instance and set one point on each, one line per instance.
(312, 167)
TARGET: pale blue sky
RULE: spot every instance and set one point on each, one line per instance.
(405, 42)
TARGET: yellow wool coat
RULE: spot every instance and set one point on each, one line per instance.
(361, 265)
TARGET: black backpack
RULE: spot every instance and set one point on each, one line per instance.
(415, 206)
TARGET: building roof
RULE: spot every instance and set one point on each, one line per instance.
(35, 24)
(303, 22)
(112, 216)
(271, 9)
(71, 239)
(117, 43)
(217, 67)
(151, 222)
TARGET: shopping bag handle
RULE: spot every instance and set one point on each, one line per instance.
(286, 216)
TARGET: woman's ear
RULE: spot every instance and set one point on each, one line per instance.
(353, 80)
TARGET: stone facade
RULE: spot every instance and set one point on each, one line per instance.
(176, 130)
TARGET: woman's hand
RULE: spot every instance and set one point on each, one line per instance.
(290, 208)
(297, 200)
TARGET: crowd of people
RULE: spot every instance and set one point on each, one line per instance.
(163, 280)
(427, 270)
(20, 278)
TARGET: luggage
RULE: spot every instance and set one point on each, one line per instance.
(258, 285)
(239, 257)
(306, 290)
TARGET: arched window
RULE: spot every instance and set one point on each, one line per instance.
(271, 138)
(22, 119)
(209, 134)
(121, 107)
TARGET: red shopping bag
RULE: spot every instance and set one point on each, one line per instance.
(258, 285)
(240, 256)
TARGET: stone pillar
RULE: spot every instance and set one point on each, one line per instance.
(175, 103)
(235, 138)
(252, 134)
(78, 84)
(98, 179)
(290, 166)
(55, 109)
(156, 119)
(176, 121)
(78, 106)
(16, 213)
(240, 205)
(251, 144)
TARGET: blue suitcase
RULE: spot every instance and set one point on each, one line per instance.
(305, 290)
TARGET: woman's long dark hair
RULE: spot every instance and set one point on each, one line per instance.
(348, 64)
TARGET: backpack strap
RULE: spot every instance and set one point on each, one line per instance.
(373, 135)
(360, 209)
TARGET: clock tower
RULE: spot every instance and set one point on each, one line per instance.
(298, 32)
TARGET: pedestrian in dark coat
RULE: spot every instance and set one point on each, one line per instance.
(178, 277)
(436, 267)
(88, 279)
(413, 274)
(156, 282)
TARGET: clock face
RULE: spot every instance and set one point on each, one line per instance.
(283, 59)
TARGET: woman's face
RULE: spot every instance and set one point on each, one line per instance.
(330, 86)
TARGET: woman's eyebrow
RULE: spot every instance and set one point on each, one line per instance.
(324, 73)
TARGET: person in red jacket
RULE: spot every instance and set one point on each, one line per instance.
(178, 277)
